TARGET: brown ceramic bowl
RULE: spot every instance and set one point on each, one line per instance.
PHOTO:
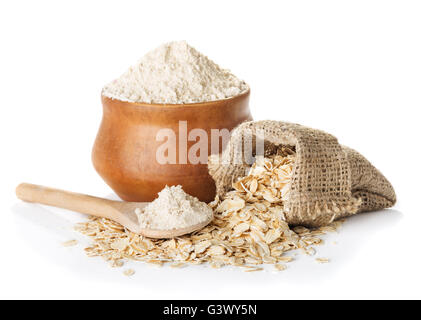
(125, 149)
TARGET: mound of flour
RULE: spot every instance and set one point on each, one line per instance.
(173, 209)
(175, 73)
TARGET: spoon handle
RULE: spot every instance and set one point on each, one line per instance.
(67, 200)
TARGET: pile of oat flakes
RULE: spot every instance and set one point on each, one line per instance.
(248, 230)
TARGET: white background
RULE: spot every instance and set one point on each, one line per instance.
(352, 68)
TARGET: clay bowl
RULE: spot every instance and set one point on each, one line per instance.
(125, 150)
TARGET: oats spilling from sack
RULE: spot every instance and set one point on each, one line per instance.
(329, 181)
(248, 229)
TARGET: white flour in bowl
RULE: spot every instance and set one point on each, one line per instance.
(173, 209)
(175, 73)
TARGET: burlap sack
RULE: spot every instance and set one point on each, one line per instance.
(329, 181)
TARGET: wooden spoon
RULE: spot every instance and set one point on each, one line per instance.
(119, 211)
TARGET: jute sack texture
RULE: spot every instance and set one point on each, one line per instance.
(329, 181)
